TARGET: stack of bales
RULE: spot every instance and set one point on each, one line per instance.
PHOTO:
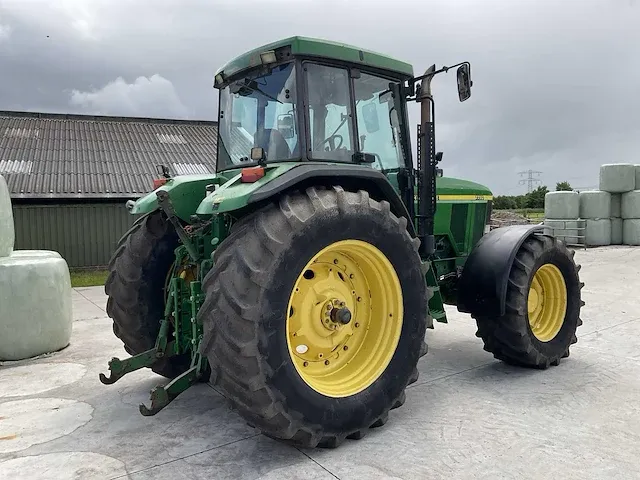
(561, 213)
(622, 182)
(610, 215)
(595, 208)
(630, 212)
(35, 294)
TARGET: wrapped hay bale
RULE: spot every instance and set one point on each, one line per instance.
(7, 232)
(562, 205)
(598, 232)
(630, 204)
(595, 204)
(565, 230)
(35, 254)
(35, 306)
(631, 231)
(617, 177)
(616, 231)
(616, 204)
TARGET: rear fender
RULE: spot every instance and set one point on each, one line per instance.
(482, 287)
(350, 177)
(186, 192)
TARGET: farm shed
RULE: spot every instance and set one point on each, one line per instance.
(69, 176)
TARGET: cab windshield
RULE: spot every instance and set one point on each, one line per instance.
(258, 111)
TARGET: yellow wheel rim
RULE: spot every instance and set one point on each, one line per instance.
(344, 318)
(547, 302)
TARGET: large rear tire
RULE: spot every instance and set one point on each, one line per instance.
(315, 316)
(135, 286)
(542, 307)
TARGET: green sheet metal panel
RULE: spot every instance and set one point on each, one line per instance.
(84, 234)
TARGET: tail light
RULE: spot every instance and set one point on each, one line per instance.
(158, 182)
(252, 174)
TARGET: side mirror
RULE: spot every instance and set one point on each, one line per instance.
(285, 126)
(370, 117)
(464, 81)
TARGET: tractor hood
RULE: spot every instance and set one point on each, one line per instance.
(449, 188)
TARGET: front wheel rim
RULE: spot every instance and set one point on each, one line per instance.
(547, 302)
(344, 318)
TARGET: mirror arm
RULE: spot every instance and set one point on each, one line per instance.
(414, 80)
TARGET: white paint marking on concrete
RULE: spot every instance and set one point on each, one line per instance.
(63, 465)
(24, 423)
(38, 378)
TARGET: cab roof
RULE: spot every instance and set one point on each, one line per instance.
(314, 47)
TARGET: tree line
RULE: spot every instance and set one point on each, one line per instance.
(533, 199)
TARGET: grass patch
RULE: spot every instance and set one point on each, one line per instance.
(88, 278)
(530, 213)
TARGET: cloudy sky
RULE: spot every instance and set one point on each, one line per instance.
(556, 83)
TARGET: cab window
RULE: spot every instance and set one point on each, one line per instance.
(330, 115)
(377, 120)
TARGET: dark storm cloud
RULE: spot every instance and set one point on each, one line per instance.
(554, 82)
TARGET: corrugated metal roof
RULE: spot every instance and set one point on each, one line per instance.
(46, 155)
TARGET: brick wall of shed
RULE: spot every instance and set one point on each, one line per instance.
(84, 234)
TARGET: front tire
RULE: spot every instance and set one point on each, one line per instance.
(292, 271)
(542, 307)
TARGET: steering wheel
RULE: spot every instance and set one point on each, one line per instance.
(332, 143)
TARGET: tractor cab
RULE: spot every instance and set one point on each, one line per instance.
(305, 100)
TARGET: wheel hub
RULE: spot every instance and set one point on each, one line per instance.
(341, 315)
(335, 314)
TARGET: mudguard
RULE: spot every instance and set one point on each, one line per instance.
(186, 192)
(482, 287)
(348, 176)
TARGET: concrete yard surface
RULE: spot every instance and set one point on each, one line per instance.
(467, 417)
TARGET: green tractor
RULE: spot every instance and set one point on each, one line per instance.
(300, 277)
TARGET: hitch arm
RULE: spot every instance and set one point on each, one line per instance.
(119, 368)
(161, 396)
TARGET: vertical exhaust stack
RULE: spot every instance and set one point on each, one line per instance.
(427, 173)
(427, 150)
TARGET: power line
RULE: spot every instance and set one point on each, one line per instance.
(530, 180)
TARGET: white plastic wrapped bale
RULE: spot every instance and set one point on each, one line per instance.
(35, 254)
(616, 205)
(631, 231)
(565, 230)
(617, 177)
(630, 204)
(595, 204)
(616, 231)
(598, 232)
(562, 205)
(35, 306)
(7, 232)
